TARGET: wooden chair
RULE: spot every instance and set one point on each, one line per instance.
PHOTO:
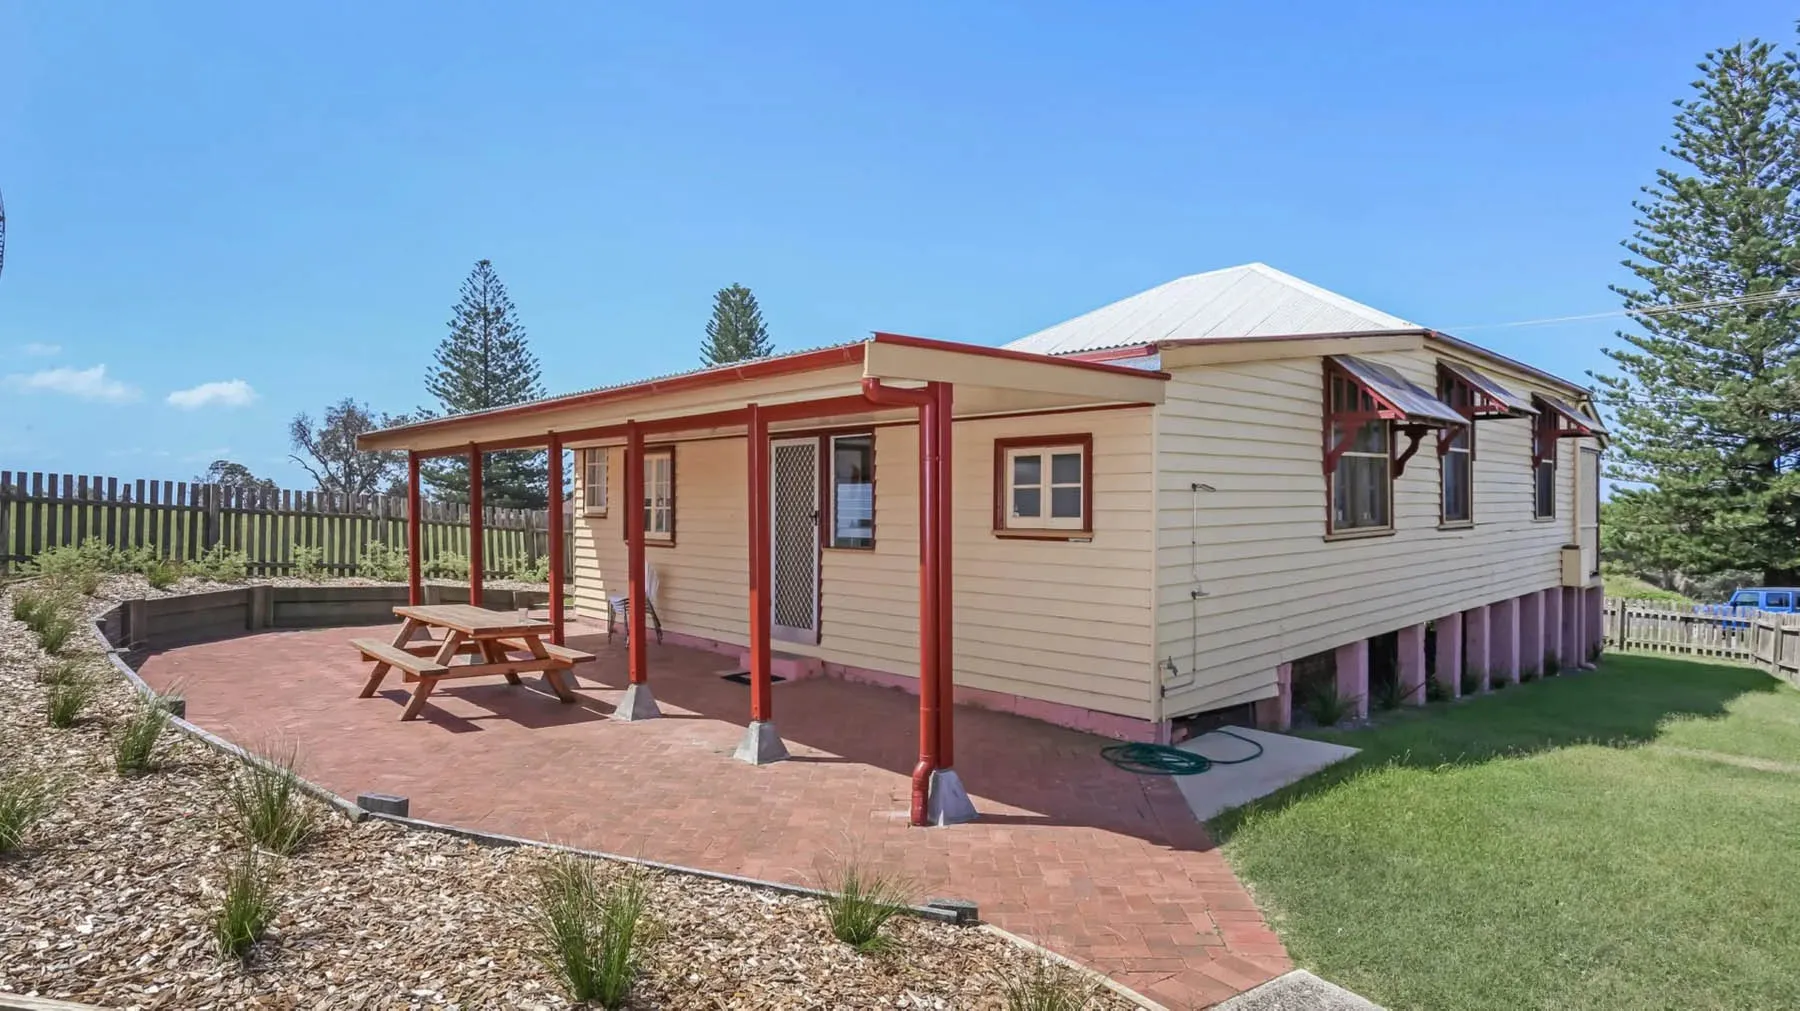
(619, 606)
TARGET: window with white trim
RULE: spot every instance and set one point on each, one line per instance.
(1044, 485)
(659, 495)
(593, 481)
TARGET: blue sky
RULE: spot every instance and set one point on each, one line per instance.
(281, 202)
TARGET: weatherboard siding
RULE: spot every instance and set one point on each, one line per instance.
(1275, 588)
(1063, 622)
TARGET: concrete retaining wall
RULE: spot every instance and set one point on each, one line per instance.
(160, 622)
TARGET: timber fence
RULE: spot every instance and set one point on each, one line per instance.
(1764, 638)
(183, 521)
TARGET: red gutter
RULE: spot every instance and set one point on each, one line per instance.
(1114, 354)
(926, 400)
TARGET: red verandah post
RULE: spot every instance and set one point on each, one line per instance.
(639, 650)
(556, 538)
(946, 631)
(762, 703)
(415, 584)
(475, 527)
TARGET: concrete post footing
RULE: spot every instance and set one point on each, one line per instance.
(761, 744)
(638, 704)
(948, 803)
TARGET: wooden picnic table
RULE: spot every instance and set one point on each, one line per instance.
(491, 639)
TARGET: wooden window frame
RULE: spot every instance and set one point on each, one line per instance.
(1003, 448)
(1458, 393)
(1544, 434)
(652, 539)
(589, 457)
(1353, 420)
(828, 487)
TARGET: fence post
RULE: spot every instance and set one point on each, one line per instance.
(6, 545)
(209, 536)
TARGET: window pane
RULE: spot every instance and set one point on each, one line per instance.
(1065, 503)
(853, 492)
(1028, 469)
(1028, 502)
(1776, 601)
(1065, 468)
(1359, 493)
(1456, 486)
(1546, 489)
(1371, 437)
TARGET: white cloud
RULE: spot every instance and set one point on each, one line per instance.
(230, 393)
(37, 350)
(87, 384)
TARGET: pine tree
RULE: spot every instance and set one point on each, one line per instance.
(485, 362)
(1707, 398)
(736, 331)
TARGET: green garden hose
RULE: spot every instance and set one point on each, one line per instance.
(1162, 760)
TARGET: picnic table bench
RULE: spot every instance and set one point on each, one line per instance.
(491, 640)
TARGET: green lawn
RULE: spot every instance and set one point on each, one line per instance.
(1557, 845)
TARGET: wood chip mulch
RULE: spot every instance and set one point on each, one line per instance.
(109, 902)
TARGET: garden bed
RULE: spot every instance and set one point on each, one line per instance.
(111, 899)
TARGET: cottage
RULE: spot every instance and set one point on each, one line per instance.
(1142, 515)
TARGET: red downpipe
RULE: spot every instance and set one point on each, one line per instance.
(639, 650)
(476, 532)
(762, 701)
(946, 642)
(926, 401)
(415, 583)
(555, 459)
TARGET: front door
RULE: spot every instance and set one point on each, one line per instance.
(794, 489)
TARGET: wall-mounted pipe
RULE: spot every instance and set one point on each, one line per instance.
(930, 614)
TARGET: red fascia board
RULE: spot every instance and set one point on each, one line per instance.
(903, 340)
(1114, 354)
(806, 361)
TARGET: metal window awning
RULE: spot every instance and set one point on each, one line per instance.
(1571, 420)
(1492, 400)
(1400, 398)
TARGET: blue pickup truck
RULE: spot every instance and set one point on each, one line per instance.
(1779, 599)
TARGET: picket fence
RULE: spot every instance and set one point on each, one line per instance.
(182, 520)
(1768, 640)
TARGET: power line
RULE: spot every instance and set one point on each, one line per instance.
(1761, 298)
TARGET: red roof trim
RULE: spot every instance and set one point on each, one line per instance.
(1114, 354)
(904, 340)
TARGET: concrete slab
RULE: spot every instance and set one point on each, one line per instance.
(1284, 760)
(1297, 991)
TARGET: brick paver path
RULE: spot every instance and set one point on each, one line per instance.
(1106, 867)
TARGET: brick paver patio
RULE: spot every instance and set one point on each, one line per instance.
(1106, 867)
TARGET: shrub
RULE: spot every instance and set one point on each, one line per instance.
(267, 805)
(445, 565)
(25, 604)
(68, 697)
(1471, 680)
(246, 909)
(1552, 663)
(1497, 684)
(378, 561)
(532, 572)
(309, 561)
(54, 631)
(1389, 694)
(161, 573)
(1326, 707)
(1047, 986)
(858, 903)
(1529, 673)
(134, 744)
(220, 565)
(25, 798)
(62, 671)
(1436, 691)
(80, 567)
(589, 930)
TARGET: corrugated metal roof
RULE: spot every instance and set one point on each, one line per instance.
(1399, 391)
(1573, 414)
(1250, 300)
(1486, 385)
